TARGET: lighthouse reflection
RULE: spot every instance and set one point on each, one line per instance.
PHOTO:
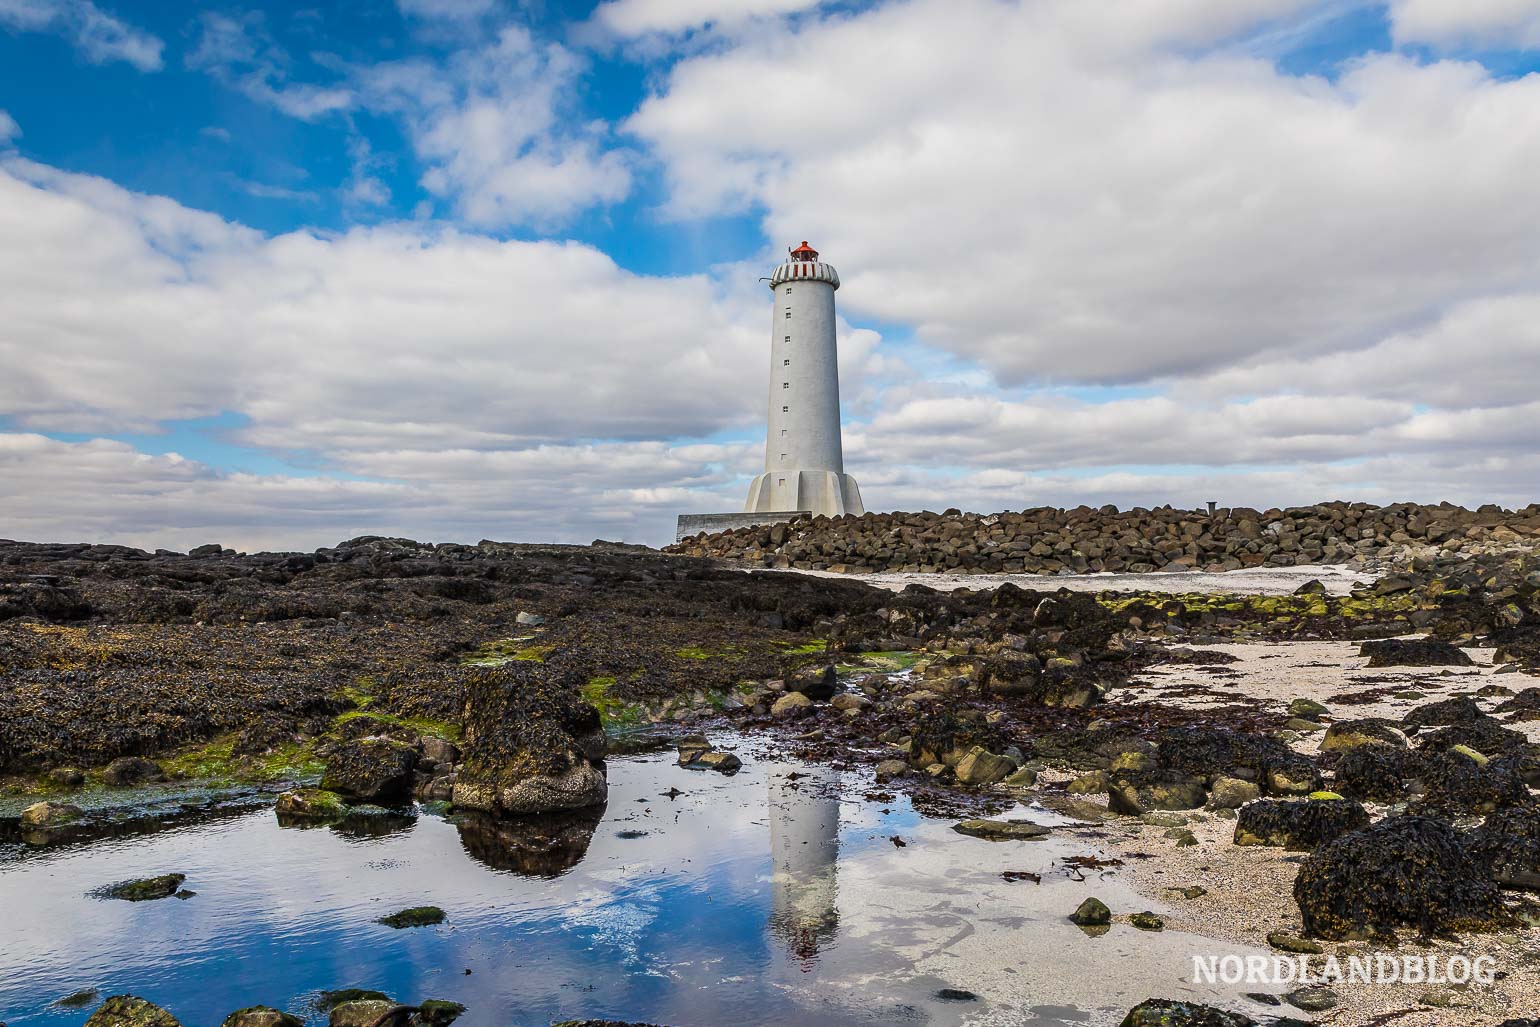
(804, 848)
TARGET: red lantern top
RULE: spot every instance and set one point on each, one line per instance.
(804, 252)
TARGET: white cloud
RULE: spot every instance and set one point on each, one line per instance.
(628, 19)
(238, 52)
(100, 37)
(1502, 24)
(124, 310)
(498, 130)
(1065, 192)
(8, 128)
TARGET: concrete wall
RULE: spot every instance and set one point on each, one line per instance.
(694, 524)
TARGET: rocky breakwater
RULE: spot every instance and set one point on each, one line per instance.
(1045, 540)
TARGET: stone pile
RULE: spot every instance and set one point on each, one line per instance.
(1045, 540)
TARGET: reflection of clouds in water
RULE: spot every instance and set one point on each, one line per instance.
(619, 927)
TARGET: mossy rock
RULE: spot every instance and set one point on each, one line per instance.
(435, 1012)
(1156, 1012)
(417, 916)
(310, 805)
(328, 1000)
(145, 889)
(1351, 734)
(79, 1000)
(261, 1016)
(131, 1011)
(1093, 912)
(359, 1013)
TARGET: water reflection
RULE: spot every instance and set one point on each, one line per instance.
(804, 850)
(536, 846)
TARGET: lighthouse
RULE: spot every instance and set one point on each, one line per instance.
(804, 461)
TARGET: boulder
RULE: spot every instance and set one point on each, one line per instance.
(1377, 773)
(981, 767)
(1002, 830)
(1350, 734)
(132, 770)
(1093, 912)
(261, 1016)
(1232, 793)
(1157, 1012)
(1161, 789)
(817, 683)
(145, 889)
(310, 804)
(889, 769)
(1508, 846)
(790, 705)
(130, 1011)
(359, 1013)
(1300, 825)
(49, 814)
(1409, 652)
(372, 769)
(1404, 872)
(526, 744)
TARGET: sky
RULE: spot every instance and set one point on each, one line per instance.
(279, 274)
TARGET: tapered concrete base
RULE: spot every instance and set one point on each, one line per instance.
(819, 492)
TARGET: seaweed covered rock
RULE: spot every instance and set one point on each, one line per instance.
(1136, 792)
(1508, 846)
(1063, 683)
(531, 744)
(126, 771)
(1459, 709)
(1300, 824)
(1404, 872)
(948, 736)
(1165, 1012)
(1377, 773)
(1350, 734)
(372, 769)
(1523, 706)
(261, 1016)
(1486, 736)
(131, 1011)
(309, 805)
(1413, 652)
(145, 889)
(1456, 783)
(1212, 753)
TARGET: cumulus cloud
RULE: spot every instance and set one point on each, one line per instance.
(126, 309)
(8, 128)
(1502, 24)
(100, 37)
(497, 127)
(1073, 192)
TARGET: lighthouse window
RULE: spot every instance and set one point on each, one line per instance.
(781, 481)
(783, 431)
(788, 338)
(786, 385)
(786, 363)
(788, 290)
(785, 410)
(783, 456)
(788, 313)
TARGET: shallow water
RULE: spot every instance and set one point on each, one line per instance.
(774, 896)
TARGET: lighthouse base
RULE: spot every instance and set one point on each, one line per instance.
(829, 493)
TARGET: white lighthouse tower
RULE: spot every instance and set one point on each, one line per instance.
(804, 461)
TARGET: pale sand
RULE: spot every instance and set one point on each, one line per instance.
(1250, 888)
(1265, 581)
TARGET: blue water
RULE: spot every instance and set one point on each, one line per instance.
(772, 897)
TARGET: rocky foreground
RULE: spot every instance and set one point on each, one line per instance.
(494, 677)
(1045, 540)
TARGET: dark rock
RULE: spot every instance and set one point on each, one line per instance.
(955, 995)
(1508, 846)
(132, 770)
(1147, 921)
(372, 769)
(526, 744)
(817, 683)
(417, 916)
(539, 845)
(1139, 792)
(1377, 773)
(1300, 825)
(1091, 913)
(1403, 872)
(261, 1016)
(1002, 830)
(1161, 1012)
(130, 1011)
(1312, 999)
(145, 889)
(1420, 652)
(1453, 782)
(1459, 709)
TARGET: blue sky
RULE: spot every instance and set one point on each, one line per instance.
(290, 271)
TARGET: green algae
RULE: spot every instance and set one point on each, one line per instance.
(217, 761)
(418, 725)
(507, 650)
(417, 916)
